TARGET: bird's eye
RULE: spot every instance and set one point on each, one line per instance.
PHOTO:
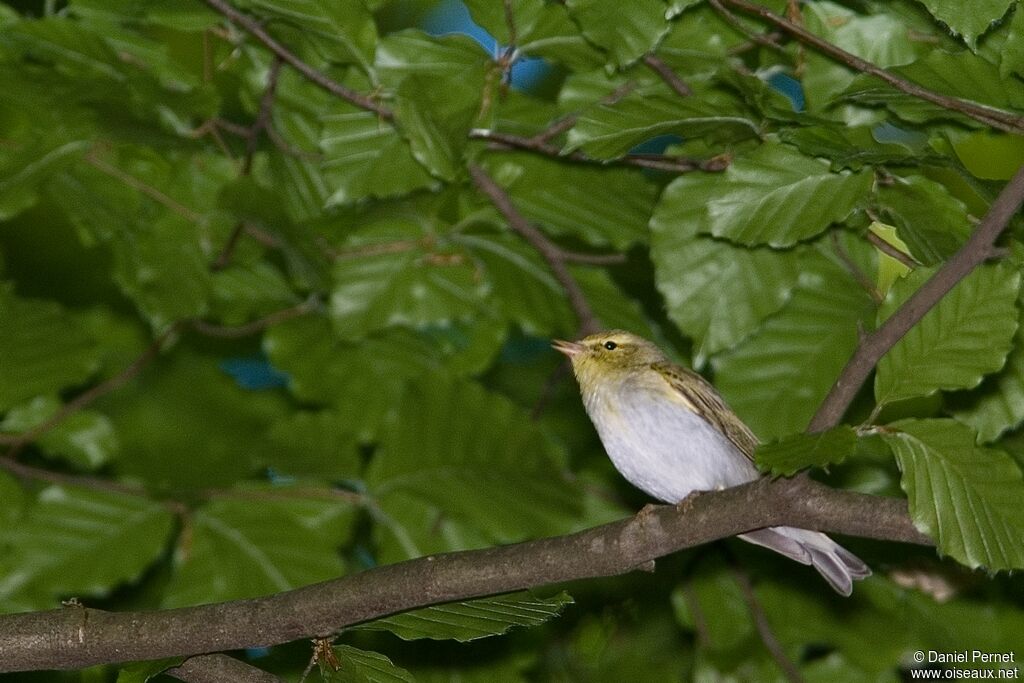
(610, 345)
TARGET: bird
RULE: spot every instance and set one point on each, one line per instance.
(670, 433)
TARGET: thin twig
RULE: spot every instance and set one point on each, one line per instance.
(747, 46)
(264, 114)
(555, 377)
(665, 72)
(28, 472)
(375, 249)
(734, 21)
(256, 326)
(566, 122)
(764, 628)
(510, 23)
(262, 122)
(318, 77)
(700, 621)
(659, 162)
(131, 181)
(863, 280)
(890, 250)
(588, 322)
(995, 118)
(90, 395)
(978, 248)
(593, 259)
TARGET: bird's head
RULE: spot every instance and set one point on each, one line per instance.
(608, 356)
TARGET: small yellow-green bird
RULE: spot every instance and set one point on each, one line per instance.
(670, 433)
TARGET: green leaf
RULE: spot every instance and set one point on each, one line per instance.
(169, 13)
(27, 165)
(72, 541)
(476, 457)
(713, 594)
(789, 455)
(960, 75)
(86, 438)
(608, 131)
(778, 376)
(261, 541)
(932, 222)
(627, 31)
(413, 52)
(522, 288)
(491, 17)
(850, 147)
(774, 196)
(12, 499)
(963, 338)
(466, 621)
(365, 380)
(314, 443)
(420, 286)
(997, 405)
(42, 349)
(344, 31)
(362, 666)
(164, 270)
(965, 497)
(878, 38)
(365, 157)
(1012, 59)
(969, 21)
(140, 672)
(603, 206)
(612, 306)
(242, 293)
(436, 115)
(556, 37)
(991, 155)
(716, 292)
(225, 430)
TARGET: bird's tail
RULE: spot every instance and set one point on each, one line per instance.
(835, 563)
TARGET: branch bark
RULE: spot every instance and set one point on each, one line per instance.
(995, 118)
(550, 252)
(978, 248)
(253, 27)
(77, 637)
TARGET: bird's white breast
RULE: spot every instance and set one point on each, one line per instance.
(664, 448)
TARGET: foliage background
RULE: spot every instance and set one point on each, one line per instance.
(299, 342)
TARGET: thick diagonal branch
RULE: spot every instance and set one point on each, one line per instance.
(873, 346)
(72, 638)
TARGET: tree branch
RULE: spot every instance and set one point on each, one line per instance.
(657, 162)
(261, 123)
(665, 72)
(253, 27)
(75, 638)
(978, 248)
(764, 627)
(995, 118)
(588, 322)
(19, 441)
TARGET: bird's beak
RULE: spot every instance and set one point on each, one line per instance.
(567, 347)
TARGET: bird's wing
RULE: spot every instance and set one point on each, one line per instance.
(707, 402)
